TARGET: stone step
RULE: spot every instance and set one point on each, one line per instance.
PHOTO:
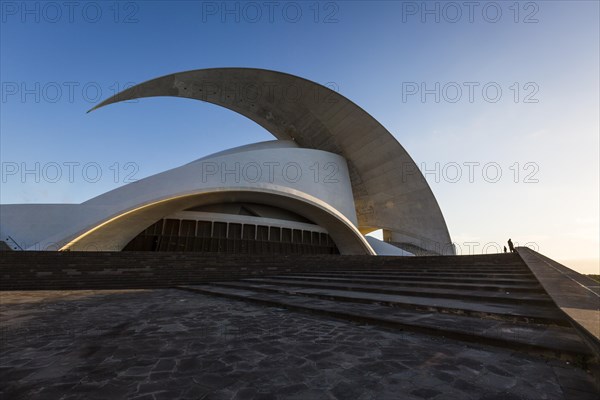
(12, 261)
(430, 269)
(551, 341)
(408, 278)
(473, 294)
(137, 279)
(490, 310)
(401, 273)
(441, 262)
(434, 268)
(534, 287)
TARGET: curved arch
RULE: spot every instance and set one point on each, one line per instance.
(389, 190)
(115, 232)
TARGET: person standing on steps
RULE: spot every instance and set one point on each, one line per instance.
(510, 246)
(505, 249)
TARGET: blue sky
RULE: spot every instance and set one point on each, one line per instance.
(57, 62)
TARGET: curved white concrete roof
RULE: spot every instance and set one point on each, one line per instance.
(110, 220)
(389, 190)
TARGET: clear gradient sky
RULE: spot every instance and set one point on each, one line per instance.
(528, 105)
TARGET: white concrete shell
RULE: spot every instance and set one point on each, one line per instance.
(272, 173)
(389, 191)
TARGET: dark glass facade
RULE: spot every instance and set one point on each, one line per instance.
(224, 237)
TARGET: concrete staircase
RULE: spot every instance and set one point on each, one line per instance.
(490, 299)
(493, 300)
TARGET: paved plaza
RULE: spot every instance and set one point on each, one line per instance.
(170, 344)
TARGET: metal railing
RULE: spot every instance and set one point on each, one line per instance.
(15, 243)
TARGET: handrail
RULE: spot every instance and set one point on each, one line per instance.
(15, 242)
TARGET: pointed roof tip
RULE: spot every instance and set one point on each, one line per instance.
(97, 106)
(111, 100)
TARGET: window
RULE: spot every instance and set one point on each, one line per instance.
(220, 230)
(204, 229)
(275, 234)
(297, 236)
(249, 231)
(188, 228)
(235, 231)
(262, 233)
(171, 227)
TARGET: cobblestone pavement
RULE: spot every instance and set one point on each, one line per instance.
(169, 344)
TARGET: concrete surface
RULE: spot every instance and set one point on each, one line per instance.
(577, 295)
(165, 344)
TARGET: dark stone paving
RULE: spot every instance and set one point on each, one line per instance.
(169, 344)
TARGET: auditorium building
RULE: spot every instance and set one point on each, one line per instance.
(333, 175)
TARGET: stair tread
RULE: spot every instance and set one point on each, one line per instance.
(553, 338)
(535, 286)
(497, 309)
(511, 275)
(394, 289)
(420, 277)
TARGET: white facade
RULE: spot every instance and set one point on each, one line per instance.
(275, 173)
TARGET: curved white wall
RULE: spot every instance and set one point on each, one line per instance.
(313, 183)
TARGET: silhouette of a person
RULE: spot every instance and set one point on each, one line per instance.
(510, 246)
(505, 249)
